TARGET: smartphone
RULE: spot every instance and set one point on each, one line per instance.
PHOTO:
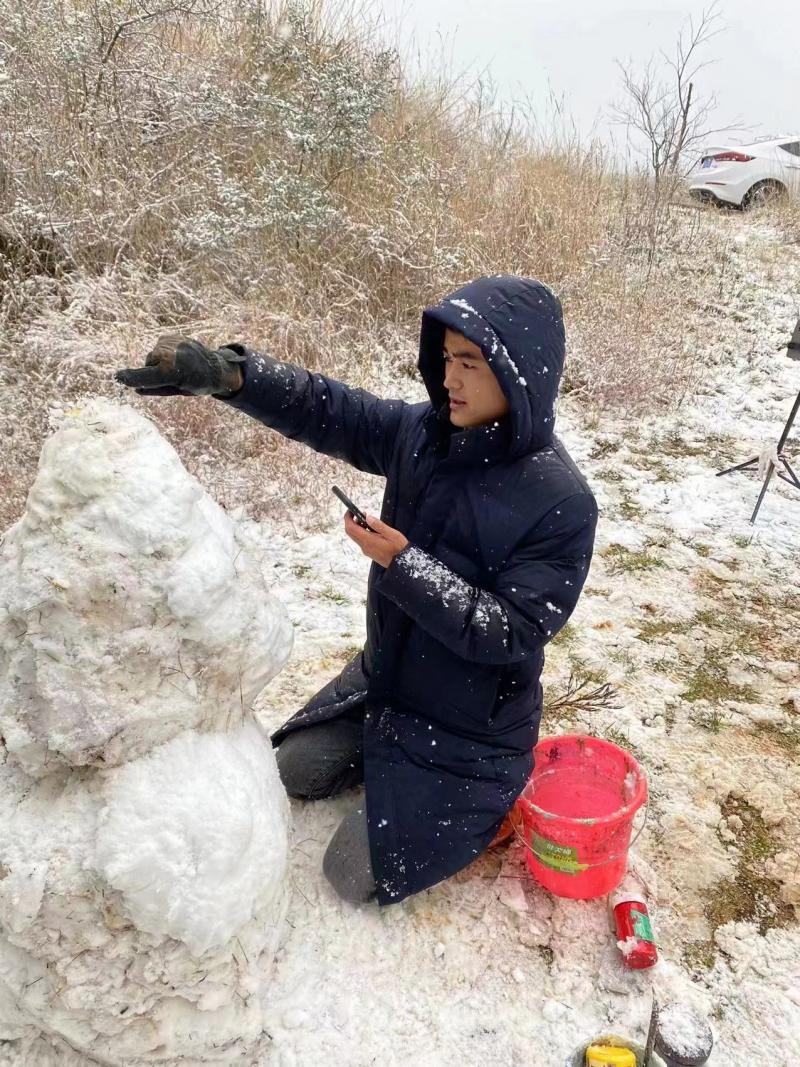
(357, 513)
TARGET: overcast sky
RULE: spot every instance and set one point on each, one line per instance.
(532, 46)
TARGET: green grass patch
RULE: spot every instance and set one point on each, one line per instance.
(626, 561)
(651, 631)
(609, 474)
(709, 681)
(665, 665)
(744, 635)
(749, 896)
(593, 590)
(699, 956)
(630, 510)
(625, 658)
(329, 593)
(787, 738)
(567, 635)
(672, 444)
(603, 449)
(773, 603)
(708, 719)
(582, 670)
(663, 470)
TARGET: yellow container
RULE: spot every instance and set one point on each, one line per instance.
(607, 1056)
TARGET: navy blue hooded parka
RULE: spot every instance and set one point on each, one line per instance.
(501, 527)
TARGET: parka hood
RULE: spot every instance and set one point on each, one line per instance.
(519, 327)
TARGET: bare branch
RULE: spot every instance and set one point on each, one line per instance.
(666, 109)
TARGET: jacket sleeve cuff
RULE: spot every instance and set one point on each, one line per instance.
(267, 384)
(416, 581)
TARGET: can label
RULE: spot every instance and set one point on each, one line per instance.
(642, 927)
(557, 857)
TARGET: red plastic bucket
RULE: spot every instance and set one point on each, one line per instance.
(577, 814)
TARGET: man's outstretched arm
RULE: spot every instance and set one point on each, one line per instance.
(350, 424)
(328, 416)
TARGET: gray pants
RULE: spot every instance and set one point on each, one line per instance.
(320, 761)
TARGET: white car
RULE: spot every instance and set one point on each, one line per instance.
(747, 175)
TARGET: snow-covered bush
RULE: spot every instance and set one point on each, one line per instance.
(266, 170)
(181, 127)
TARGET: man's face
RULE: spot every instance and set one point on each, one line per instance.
(475, 394)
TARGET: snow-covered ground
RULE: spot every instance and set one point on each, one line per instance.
(692, 615)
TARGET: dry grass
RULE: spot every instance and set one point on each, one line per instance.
(267, 172)
(787, 216)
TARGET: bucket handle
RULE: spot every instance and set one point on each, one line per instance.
(587, 866)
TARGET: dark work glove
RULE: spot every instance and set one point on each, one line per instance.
(178, 365)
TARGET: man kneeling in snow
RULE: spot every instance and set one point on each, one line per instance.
(482, 549)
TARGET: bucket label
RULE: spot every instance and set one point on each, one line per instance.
(642, 927)
(558, 857)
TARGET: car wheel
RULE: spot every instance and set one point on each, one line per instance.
(763, 194)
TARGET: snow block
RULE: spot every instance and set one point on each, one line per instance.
(143, 825)
(128, 609)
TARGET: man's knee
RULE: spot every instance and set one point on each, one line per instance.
(347, 864)
(320, 761)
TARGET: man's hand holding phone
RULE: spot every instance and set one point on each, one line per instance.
(380, 542)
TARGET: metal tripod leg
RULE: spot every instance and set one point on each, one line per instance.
(792, 478)
(740, 466)
(763, 493)
(789, 476)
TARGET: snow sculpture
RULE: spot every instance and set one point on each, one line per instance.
(143, 826)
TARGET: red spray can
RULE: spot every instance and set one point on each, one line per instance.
(634, 929)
